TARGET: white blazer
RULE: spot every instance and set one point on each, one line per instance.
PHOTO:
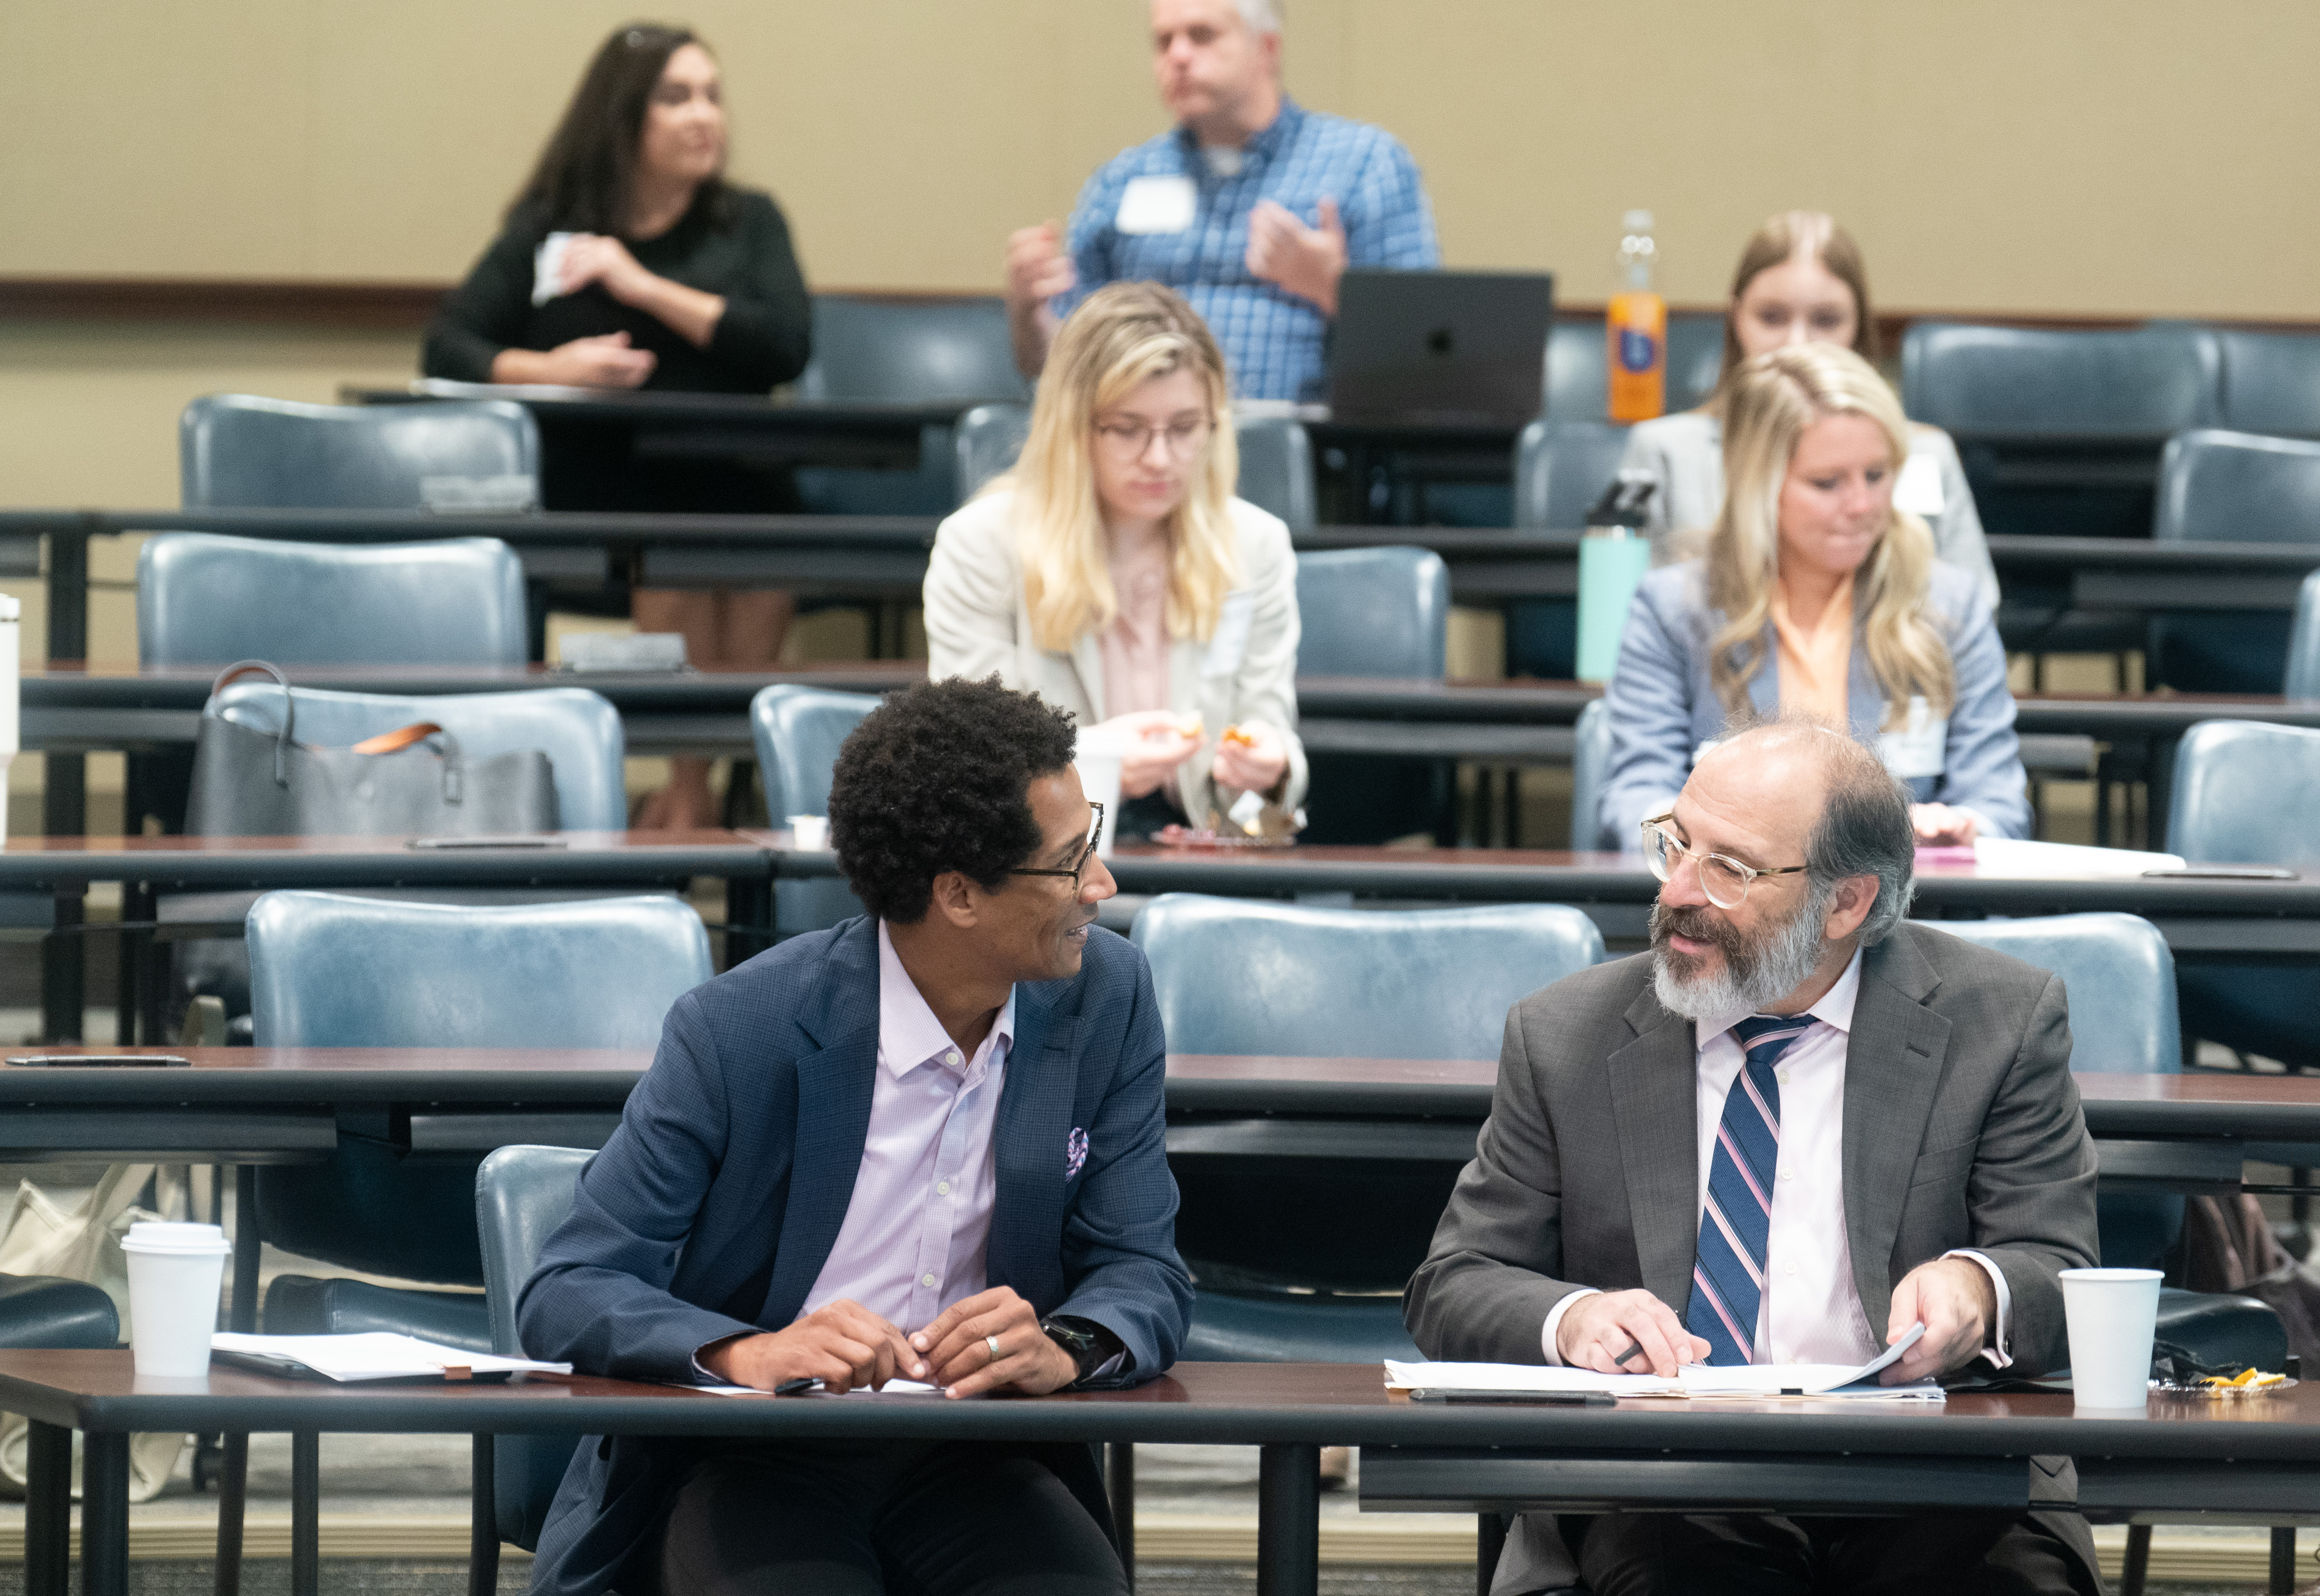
(978, 622)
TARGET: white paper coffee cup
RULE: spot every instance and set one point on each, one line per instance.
(2113, 1315)
(174, 1275)
(809, 833)
(548, 267)
(1098, 757)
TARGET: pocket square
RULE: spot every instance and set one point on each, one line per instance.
(1076, 1147)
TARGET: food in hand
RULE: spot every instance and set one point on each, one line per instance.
(1192, 725)
(1234, 734)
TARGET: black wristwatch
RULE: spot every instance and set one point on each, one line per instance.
(1089, 1342)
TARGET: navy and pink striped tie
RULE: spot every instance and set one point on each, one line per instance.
(1735, 1227)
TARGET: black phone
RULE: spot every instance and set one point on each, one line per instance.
(2226, 872)
(511, 841)
(98, 1060)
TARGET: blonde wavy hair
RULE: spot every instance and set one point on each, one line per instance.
(1122, 336)
(1769, 401)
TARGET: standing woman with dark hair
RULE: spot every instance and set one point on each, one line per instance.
(628, 261)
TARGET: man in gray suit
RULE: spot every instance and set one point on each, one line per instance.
(1797, 1127)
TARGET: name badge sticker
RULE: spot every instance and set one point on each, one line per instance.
(1918, 748)
(1157, 204)
(1229, 642)
(1918, 488)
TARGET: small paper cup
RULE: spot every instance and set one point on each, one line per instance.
(809, 833)
(1098, 759)
(2113, 1315)
(175, 1272)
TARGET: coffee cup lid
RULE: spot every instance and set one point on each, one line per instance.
(162, 1236)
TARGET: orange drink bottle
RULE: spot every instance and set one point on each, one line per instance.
(1635, 329)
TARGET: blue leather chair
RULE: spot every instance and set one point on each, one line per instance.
(1560, 469)
(2271, 381)
(1374, 613)
(1276, 468)
(239, 452)
(2160, 378)
(1591, 758)
(329, 970)
(887, 351)
(2244, 793)
(2303, 680)
(1268, 1205)
(798, 732)
(522, 1194)
(989, 438)
(205, 599)
(1577, 387)
(2231, 487)
(48, 1310)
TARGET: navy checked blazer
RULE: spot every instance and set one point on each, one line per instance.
(1274, 342)
(713, 1208)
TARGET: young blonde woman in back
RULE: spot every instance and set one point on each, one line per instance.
(1113, 573)
(1816, 595)
(1800, 280)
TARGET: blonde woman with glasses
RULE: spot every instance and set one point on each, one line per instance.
(1113, 573)
(1817, 597)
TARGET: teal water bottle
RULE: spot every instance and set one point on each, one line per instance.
(1614, 552)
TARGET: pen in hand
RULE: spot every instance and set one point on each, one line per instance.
(1634, 1349)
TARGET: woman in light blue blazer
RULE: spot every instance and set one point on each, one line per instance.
(1817, 597)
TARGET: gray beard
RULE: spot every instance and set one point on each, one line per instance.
(1784, 961)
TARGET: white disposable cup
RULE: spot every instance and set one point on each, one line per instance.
(809, 833)
(174, 1275)
(2113, 1315)
(1098, 759)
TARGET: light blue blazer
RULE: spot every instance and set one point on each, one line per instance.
(1662, 707)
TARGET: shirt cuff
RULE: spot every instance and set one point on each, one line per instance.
(1995, 1351)
(1548, 1331)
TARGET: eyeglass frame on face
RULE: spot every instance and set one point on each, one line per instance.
(1078, 871)
(1113, 437)
(1656, 826)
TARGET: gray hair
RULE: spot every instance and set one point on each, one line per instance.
(1865, 830)
(1263, 16)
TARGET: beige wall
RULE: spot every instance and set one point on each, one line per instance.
(2094, 155)
(2069, 155)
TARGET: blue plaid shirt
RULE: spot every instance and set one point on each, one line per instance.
(1273, 341)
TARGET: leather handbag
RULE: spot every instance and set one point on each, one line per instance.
(411, 782)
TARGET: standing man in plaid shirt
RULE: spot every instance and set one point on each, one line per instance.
(1252, 207)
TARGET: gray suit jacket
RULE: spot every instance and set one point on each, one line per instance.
(1962, 1128)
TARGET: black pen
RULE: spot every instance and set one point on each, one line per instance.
(791, 1387)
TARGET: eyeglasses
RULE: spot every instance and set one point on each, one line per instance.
(1725, 880)
(1128, 440)
(1095, 835)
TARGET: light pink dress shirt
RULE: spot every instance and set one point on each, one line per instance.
(1810, 1312)
(1135, 645)
(918, 1224)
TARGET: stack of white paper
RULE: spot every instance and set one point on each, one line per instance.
(374, 1355)
(2019, 857)
(1693, 1380)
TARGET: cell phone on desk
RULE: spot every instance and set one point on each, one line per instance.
(99, 1060)
(2225, 873)
(527, 840)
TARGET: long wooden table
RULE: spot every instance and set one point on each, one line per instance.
(1972, 1451)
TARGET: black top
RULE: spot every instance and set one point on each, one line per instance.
(763, 338)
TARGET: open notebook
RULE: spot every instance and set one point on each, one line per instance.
(372, 1355)
(1693, 1380)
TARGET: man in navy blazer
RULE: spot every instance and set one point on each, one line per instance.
(926, 1144)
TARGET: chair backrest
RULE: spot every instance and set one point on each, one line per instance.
(578, 730)
(1577, 386)
(331, 971)
(1276, 468)
(2160, 378)
(798, 732)
(2271, 381)
(2244, 793)
(236, 451)
(1562, 468)
(2120, 979)
(896, 351)
(2234, 488)
(1591, 759)
(522, 1194)
(1283, 980)
(205, 599)
(987, 440)
(2304, 642)
(1374, 612)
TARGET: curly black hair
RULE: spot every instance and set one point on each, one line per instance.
(935, 779)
